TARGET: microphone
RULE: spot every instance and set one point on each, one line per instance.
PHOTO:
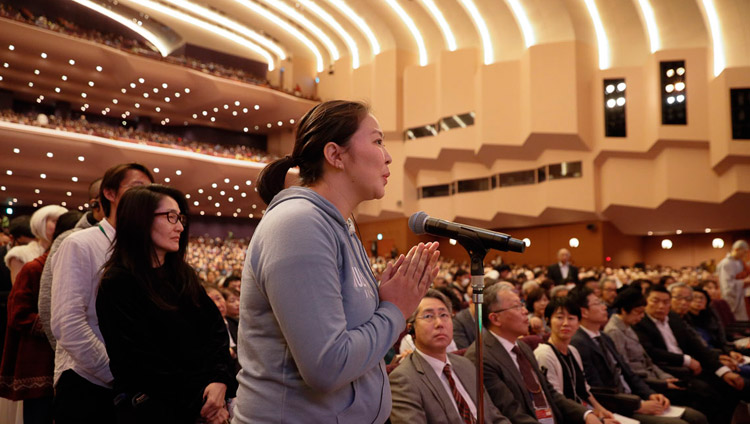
(421, 223)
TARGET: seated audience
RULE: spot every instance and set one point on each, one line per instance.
(608, 288)
(560, 361)
(536, 302)
(605, 368)
(167, 343)
(42, 226)
(511, 374)
(431, 385)
(668, 340)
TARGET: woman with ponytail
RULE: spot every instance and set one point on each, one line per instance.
(314, 323)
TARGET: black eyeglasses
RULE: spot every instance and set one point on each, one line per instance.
(173, 217)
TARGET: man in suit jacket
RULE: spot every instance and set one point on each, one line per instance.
(421, 390)
(563, 271)
(506, 361)
(669, 342)
(464, 328)
(604, 366)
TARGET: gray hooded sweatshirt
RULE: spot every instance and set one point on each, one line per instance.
(313, 331)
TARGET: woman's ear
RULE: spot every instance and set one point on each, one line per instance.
(333, 155)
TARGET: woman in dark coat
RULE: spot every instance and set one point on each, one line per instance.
(167, 343)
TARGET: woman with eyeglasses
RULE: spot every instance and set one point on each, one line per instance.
(166, 340)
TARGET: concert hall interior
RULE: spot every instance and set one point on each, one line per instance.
(621, 124)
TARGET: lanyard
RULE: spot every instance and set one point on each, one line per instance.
(104, 232)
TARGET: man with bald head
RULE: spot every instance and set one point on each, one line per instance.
(563, 271)
(731, 279)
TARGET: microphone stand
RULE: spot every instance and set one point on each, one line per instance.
(477, 252)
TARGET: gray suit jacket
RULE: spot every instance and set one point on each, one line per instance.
(627, 343)
(420, 397)
(505, 385)
(464, 329)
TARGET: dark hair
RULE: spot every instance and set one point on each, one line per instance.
(65, 222)
(431, 294)
(664, 278)
(133, 248)
(533, 296)
(333, 121)
(704, 293)
(566, 303)
(588, 280)
(229, 278)
(658, 288)
(502, 268)
(630, 298)
(113, 178)
(580, 296)
(20, 226)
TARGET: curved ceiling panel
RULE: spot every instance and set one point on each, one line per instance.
(550, 21)
(628, 37)
(680, 24)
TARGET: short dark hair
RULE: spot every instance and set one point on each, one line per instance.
(629, 299)
(658, 288)
(587, 280)
(566, 303)
(333, 121)
(580, 296)
(533, 296)
(704, 293)
(20, 226)
(432, 294)
(113, 178)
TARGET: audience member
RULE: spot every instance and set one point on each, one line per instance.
(536, 302)
(563, 271)
(28, 361)
(732, 286)
(605, 368)
(83, 380)
(42, 225)
(560, 362)
(430, 380)
(511, 374)
(608, 288)
(167, 342)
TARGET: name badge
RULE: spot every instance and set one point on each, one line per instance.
(544, 416)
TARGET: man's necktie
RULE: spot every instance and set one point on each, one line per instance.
(532, 385)
(463, 407)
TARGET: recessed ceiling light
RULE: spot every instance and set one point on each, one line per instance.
(57, 89)
(5, 65)
(707, 230)
(141, 80)
(187, 195)
(64, 77)
(164, 85)
(156, 170)
(256, 128)
(234, 112)
(236, 102)
(114, 101)
(166, 99)
(42, 176)
(187, 91)
(137, 105)
(200, 190)
(132, 85)
(98, 69)
(37, 191)
(83, 95)
(255, 206)
(177, 94)
(9, 172)
(195, 116)
(251, 215)
(226, 180)
(72, 62)
(91, 83)
(86, 105)
(63, 203)
(210, 197)
(36, 72)
(50, 154)
(256, 107)
(31, 84)
(203, 213)
(123, 91)
(231, 199)
(236, 187)
(222, 192)
(145, 95)
(216, 109)
(217, 204)
(11, 47)
(243, 194)
(44, 55)
(156, 90)
(204, 113)
(157, 108)
(678, 232)
(279, 123)
(2, 188)
(196, 203)
(81, 158)
(16, 150)
(213, 119)
(244, 110)
(166, 180)
(226, 106)
(74, 179)
(244, 129)
(107, 109)
(269, 125)
(178, 172)
(214, 185)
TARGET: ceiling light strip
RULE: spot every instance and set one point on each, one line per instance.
(437, 15)
(653, 31)
(143, 32)
(601, 36)
(409, 22)
(360, 23)
(262, 11)
(233, 25)
(328, 19)
(716, 37)
(208, 27)
(307, 24)
(484, 33)
(523, 22)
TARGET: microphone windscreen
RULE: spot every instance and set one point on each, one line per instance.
(417, 222)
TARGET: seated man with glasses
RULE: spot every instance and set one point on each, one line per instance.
(511, 374)
(431, 385)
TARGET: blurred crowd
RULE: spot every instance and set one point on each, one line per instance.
(134, 46)
(133, 135)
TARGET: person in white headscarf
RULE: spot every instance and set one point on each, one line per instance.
(43, 223)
